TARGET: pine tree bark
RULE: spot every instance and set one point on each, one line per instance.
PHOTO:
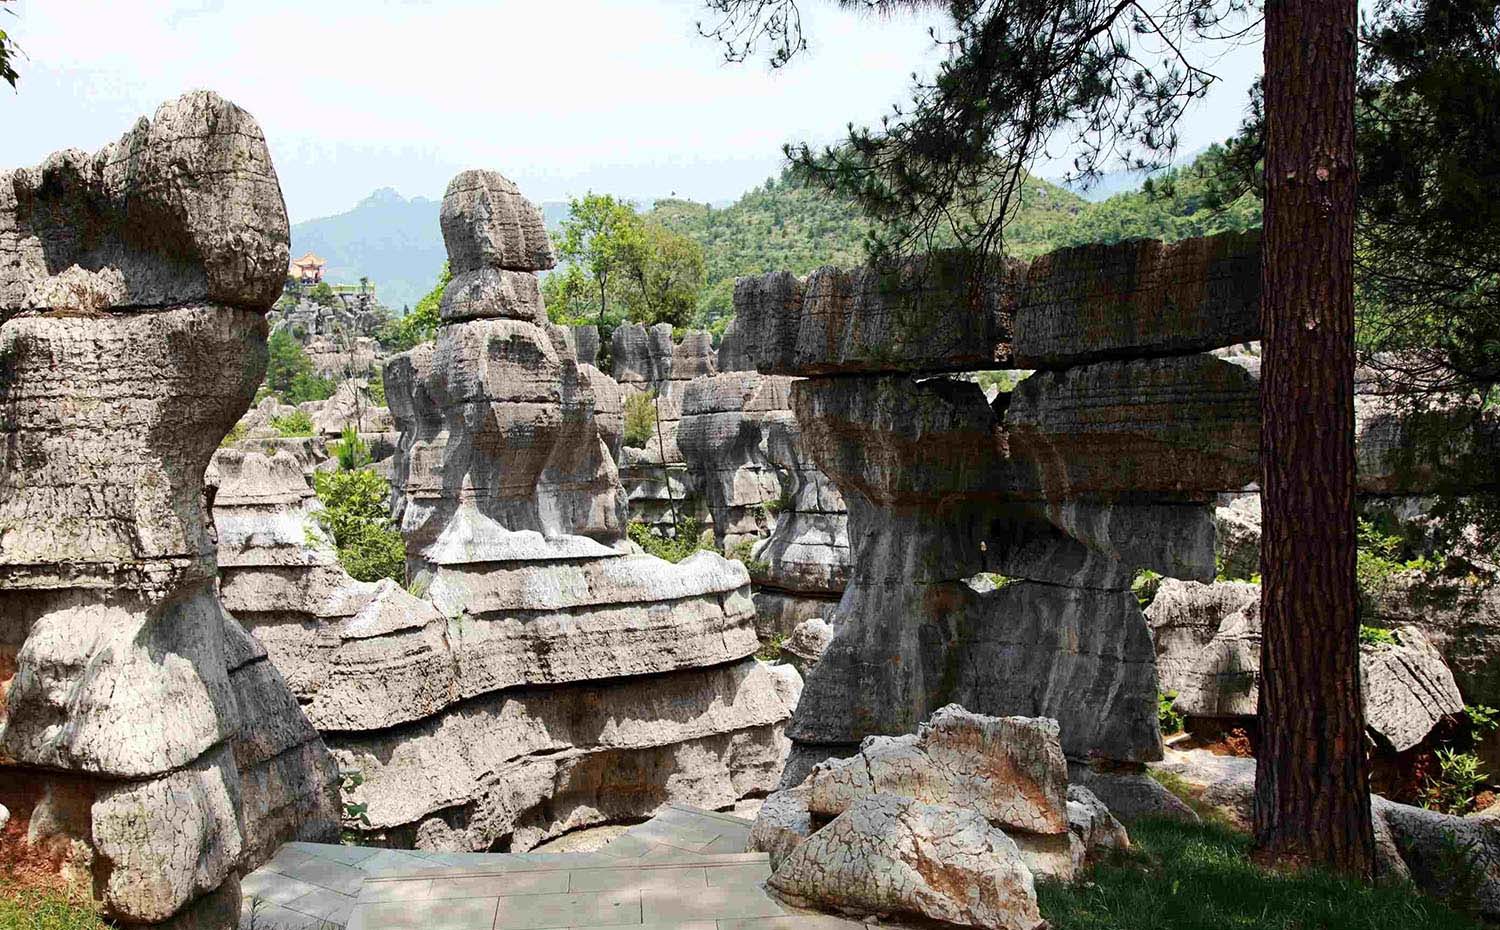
(1312, 776)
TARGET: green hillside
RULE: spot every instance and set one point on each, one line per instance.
(785, 226)
(780, 225)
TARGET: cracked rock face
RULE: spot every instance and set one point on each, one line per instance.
(184, 208)
(1009, 770)
(132, 290)
(1208, 651)
(889, 853)
(767, 494)
(484, 712)
(954, 823)
(993, 540)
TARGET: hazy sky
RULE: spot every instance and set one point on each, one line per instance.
(561, 95)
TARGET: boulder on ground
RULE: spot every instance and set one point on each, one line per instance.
(888, 853)
(1009, 770)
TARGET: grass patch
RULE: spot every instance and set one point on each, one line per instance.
(24, 907)
(770, 649)
(1199, 876)
(689, 539)
(294, 425)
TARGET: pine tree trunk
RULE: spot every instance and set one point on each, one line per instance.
(1312, 776)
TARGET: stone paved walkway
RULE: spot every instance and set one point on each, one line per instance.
(685, 869)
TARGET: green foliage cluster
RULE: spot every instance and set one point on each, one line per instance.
(1459, 778)
(322, 294)
(1376, 636)
(1383, 556)
(289, 372)
(770, 649)
(350, 451)
(235, 434)
(354, 815)
(418, 326)
(1190, 876)
(356, 514)
(640, 419)
(689, 539)
(621, 265)
(1167, 716)
(24, 907)
(293, 425)
(1461, 775)
(1144, 586)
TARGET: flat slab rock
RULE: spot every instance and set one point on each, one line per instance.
(893, 854)
(1009, 770)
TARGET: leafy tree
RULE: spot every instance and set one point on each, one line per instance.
(665, 270)
(421, 324)
(9, 51)
(356, 514)
(1110, 78)
(594, 237)
(322, 294)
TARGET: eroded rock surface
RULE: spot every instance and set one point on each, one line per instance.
(953, 823)
(133, 284)
(891, 853)
(1208, 648)
(489, 713)
(994, 539)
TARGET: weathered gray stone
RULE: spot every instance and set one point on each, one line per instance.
(185, 208)
(493, 293)
(917, 317)
(1189, 424)
(1441, 853)
(893, 854)
(1138, 299)
(164, 842)
(1208, 647)
(1237, 534)
(488, 224)
(1009, 770)
(152, 743)
(1461, 618)
(541, 761)
(1129, 793)
(781, 825)
(807, 643)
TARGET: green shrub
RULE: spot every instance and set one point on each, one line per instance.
(671, 548)
(1459, 778)
(1380, 559)
(297, 423)
(640, 419)
(308, 385)
(355, 815)
(235, 434)
(1144, 586)
(1376, 636)
(1166, 715)
(356, 514)
(770, 649)
(351, 452)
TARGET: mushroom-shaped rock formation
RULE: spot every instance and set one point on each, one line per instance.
(992, 544)
(141, 728)
(553, 679)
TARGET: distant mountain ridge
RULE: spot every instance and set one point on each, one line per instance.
(780, 225)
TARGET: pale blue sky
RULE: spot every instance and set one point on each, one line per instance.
(561, 95)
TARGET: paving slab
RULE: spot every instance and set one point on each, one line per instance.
(684, 869)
